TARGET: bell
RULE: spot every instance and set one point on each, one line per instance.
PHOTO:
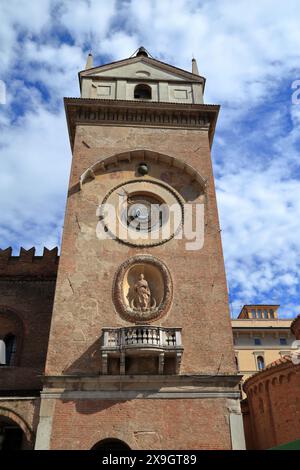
(142, 51)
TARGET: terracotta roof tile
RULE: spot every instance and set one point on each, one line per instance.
(278, 362)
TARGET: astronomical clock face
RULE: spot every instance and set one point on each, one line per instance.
(142, 213)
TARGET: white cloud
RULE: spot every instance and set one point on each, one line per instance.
(55, 66)
(20, 17)
(238, 44)
(260, 212)
(119, 45)
(34, 177)
(87, 20)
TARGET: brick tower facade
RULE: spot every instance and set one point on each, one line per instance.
(140, 351)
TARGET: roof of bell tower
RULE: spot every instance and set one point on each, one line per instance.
(142, 65)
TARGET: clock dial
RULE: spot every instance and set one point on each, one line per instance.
(143, 213)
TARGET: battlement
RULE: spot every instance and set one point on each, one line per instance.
(26, 264)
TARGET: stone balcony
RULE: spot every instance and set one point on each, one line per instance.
(141, 341)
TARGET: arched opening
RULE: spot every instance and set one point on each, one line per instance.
(261, 406)
(11, 337)
(260, 363)
(133, 158)
(142, 92)
(113, 445)
(12, 436)
(10, 342)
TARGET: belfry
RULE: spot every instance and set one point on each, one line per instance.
(140, 352)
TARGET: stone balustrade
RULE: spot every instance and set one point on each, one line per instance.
(141, 340)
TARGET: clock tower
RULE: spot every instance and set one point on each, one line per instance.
(140, 353)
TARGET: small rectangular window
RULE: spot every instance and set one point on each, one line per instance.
(259, 313)
(257, 341)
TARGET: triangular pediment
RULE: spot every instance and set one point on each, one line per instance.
(143, 68)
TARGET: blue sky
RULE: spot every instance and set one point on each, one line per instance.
(249, 53)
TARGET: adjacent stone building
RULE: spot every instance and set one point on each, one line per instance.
(27, 286)
(140, 352)
(272, 408)
(260, 337)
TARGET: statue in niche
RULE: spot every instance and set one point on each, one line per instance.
(142, 293)
(142, 297)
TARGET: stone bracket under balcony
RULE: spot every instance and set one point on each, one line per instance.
(141, 342)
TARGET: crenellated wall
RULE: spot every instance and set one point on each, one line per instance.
(27, 264)
(27, 285)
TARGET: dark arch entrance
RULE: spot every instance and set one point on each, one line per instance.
(11, 435)
(114, 445)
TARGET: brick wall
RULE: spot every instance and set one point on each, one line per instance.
(27, 285)
(274, 406)
(83, 302)
(142, 424)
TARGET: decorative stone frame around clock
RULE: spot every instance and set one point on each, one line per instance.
(124, 309)
(154, 188)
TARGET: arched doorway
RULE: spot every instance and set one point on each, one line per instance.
(260, 363)
(12, 436)
(113, 445)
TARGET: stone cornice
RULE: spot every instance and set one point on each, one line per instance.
(118, 387)
(255, 349)
(139, 113)
(251, 328)
(18, 398)
(118, 395)
(141, 382)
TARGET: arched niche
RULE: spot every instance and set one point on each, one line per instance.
(192, 183)
(142, 276)
(11, 326)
